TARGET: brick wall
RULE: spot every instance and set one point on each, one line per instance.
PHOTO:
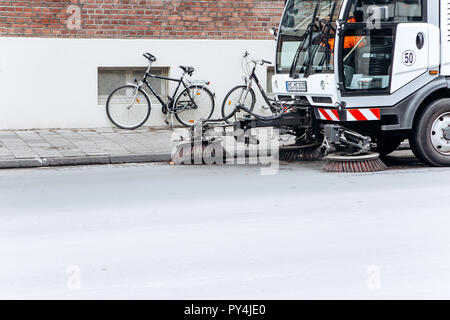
(174, 19)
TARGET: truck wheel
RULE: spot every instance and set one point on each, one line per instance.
(414, 149)
(432, 134)
(388, 144)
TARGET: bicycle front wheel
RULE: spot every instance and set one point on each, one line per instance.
(194, 103)
(238, 96)
(128, 107)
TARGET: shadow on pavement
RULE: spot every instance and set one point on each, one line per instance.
(402, 159)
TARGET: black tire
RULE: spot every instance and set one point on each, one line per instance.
(414, 149)
(117, 103)
(388, 144)
(228, 103)
(424, 138)
(187, 117)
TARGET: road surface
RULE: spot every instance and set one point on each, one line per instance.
(224, 232)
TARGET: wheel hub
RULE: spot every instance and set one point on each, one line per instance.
(447, 133)
(440, 134)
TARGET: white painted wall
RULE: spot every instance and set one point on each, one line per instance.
(52, 83)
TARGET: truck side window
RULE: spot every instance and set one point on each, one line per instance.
(367, 58)
(396, 11)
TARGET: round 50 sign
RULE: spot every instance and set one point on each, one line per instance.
(409, 58)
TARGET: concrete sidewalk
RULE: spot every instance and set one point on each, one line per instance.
(66, 147)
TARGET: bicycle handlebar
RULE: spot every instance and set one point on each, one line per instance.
(261, 62)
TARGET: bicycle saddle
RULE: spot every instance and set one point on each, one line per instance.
(150, 57)
(188, 70)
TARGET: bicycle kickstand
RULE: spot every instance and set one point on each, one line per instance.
(171, 121)
(168, 121)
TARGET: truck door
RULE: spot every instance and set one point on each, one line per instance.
(411, 54)
(379, 47)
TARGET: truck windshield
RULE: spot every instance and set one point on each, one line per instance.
(294, 24)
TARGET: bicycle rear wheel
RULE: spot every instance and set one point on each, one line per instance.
(186, 112)
(128, 107)
(238, 96)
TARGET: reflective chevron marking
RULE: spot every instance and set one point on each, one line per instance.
(366, 114)
(363, 114)
(329, 114)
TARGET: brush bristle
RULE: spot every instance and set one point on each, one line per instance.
(300, 154)
(355, 166)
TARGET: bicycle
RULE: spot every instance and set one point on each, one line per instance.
(128, 107)
(244, 95)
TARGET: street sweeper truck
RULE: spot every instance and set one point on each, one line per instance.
(358, 77)
(371, 73)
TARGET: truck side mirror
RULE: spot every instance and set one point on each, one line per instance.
(274, 32)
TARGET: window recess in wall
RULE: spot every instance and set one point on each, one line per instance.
(110, 79)
(270, 74)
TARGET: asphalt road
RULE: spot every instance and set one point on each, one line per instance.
(159, 231)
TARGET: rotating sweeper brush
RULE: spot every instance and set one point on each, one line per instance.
(356, 155)
(295, 153)
(340, 162)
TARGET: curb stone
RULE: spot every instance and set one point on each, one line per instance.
(20, 163)
(12, 163)
(140, 158)
(75, 161)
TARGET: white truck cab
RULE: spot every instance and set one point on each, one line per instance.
(373, 66)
